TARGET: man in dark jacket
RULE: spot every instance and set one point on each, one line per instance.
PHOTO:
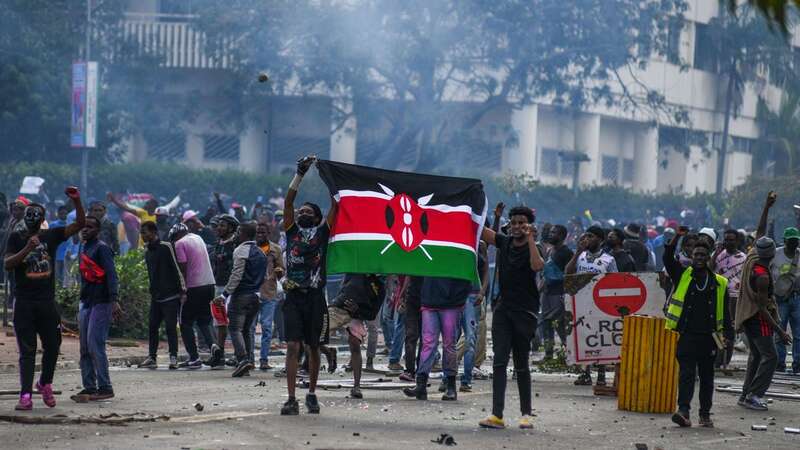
(99, 304)
(443, 300)
(697, 311)
(635, 247)
(221, 255)
(247, 274)
(358, 301)
(167, 293)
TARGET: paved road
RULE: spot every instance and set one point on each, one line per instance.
(240, 414)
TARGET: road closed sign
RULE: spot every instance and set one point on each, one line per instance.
(596, 308)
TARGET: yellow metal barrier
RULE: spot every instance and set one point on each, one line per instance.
(648, 374)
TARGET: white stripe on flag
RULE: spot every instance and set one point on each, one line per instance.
(351, 193)
(619, 292)
(361, 237)
(447, 244)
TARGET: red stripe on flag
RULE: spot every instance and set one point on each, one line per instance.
(368, 215)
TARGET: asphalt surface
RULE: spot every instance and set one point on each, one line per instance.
(244, 413)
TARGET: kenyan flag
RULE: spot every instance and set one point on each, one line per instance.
(403, 223)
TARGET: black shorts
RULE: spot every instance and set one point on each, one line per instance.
(305, 316)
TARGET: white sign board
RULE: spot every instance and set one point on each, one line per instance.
(31, 185)
(91, 104)
(596, 311)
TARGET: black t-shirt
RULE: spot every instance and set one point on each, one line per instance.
(306, 249)
(518, 289)
(221, 257)
(34, 278)
(559, 258)
(367, 291)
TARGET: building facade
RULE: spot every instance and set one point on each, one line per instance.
(595, 146)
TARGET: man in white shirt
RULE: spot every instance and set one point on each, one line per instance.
(591, 258)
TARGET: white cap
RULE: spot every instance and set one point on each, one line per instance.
(161, 211)
(709, 232)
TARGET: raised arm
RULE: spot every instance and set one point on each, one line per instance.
(536, 261)
(762, 222)
(484, 252)
(332, 212)
(488, 236)
(498, 213)
(288, 205)
(120, 204)
(80, 215)
(219, 204)
(173, 203)
(572, 266)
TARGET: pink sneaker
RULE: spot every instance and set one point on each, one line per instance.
(25, 403)
(47, 394)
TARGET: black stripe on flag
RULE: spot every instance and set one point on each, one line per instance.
(451, 191)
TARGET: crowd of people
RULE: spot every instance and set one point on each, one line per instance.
(222, 274)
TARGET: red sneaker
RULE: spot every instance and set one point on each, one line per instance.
(25, 403)
(47, 394)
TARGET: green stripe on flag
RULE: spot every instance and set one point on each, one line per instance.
(357, 256)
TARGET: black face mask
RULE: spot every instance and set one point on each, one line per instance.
(305, 221)
(33, 218)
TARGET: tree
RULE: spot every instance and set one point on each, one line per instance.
(742, 44)
(777, 12)
(781, 130)
(403, 65)
(39, 40)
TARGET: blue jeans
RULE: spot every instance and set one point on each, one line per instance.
(94, 323)
(266, 314)
(398, 338)
(790, 314)
(387, 324)
(469, 326)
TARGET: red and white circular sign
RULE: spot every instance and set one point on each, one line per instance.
(619, 294)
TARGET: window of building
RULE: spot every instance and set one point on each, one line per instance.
(177, 6)
(706, 56)
(610, 169)
(551, 162)
(735, 143)
(218, 147)
(163, 145)
(627, 171)
(674, 41)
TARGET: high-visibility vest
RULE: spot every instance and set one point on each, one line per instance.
(675, 308)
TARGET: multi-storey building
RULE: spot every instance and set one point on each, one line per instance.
(596, 146)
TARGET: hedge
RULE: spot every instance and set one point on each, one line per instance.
(134, 296)
(553, 203)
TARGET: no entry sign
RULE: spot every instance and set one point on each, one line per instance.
(619, 294)
(597, 309)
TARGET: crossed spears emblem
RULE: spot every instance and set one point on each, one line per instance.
(406, 220)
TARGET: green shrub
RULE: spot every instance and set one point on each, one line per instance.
(134, 297)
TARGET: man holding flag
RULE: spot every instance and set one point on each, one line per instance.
(305, 308)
